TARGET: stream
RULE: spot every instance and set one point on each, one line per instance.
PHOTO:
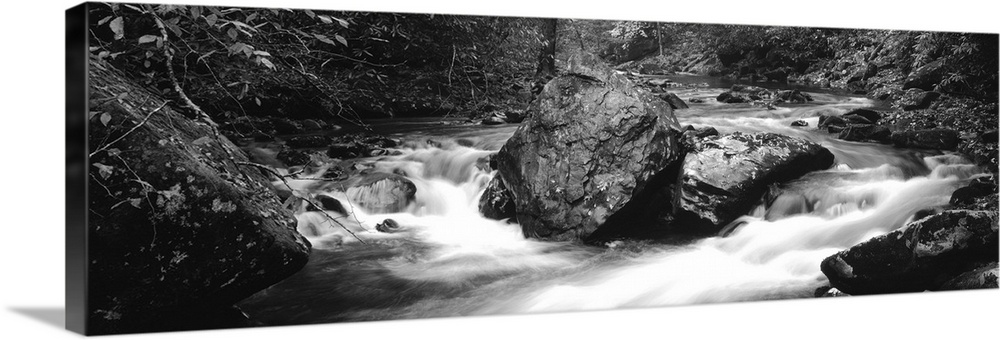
(451, 261)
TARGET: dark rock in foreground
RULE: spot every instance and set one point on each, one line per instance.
(497, 202)
(923, 255)
(940, 139)
(178, 233)
(984, 277)
(594, 142)
(979, 187)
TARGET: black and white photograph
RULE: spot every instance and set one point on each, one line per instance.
(240, 167)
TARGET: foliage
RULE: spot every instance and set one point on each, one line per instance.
(303, 63)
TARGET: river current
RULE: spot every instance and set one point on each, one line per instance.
(451, 261)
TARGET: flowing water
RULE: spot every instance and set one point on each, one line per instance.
(450, 261)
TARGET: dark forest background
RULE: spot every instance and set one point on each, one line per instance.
(353, 66)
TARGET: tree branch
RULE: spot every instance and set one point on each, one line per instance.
(313, 204)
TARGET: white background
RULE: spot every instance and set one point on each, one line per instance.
(33, 237)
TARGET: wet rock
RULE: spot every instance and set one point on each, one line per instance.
(327, 203)
(707, 131)
(984, 277)
(696, 100)
(674, 101)
(354, 146)
(831, 121)
(744, 94)
(726, 176)
(923, 255)
(787, 204)
(194, 236)
(980, 187)
(497, 202)
(496, 119)
(593, 143)
(380, 193)
(515, 116)
(939, 139)
(388, 226)
(792, 96)
(866, 133)
(344, 150)
(869, 115)
(800, 123)
(855, 119)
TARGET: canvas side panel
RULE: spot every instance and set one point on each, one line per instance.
(76, 170)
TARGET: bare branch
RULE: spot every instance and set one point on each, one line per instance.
(310, 201)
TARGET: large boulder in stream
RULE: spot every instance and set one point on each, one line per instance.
(180, 227)
(725, 176)
(923, 255)
(594, 142)
(722, 178)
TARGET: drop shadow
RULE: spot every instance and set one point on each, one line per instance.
(53, 316)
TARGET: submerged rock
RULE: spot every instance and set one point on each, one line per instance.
(388, 226)
(923, 255)
(594, 142)
(380, 193)
(178, 230)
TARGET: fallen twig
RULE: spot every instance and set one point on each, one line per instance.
(314, 204)
(150, 114)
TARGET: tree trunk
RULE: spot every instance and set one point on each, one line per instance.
(547, 57)
(659, 38)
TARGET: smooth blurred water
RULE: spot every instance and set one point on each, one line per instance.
(449, 260)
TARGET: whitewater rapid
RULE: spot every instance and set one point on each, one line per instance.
(464, 264)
